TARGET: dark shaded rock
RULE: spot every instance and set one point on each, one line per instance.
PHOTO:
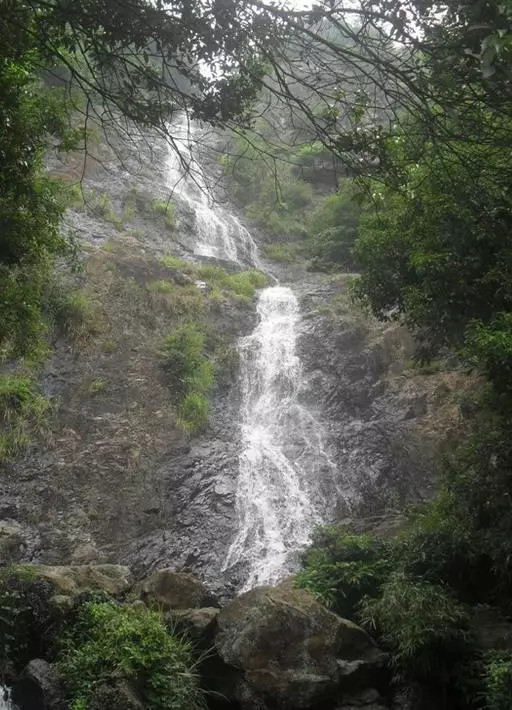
(167, 590)
(38, 687)
(199, 624)
(290, 651)
(490, 629)
(118, 695)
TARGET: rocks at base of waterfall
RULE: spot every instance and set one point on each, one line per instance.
(167, 590)
(200, 625)
(75, 579)
(38, 687)
(490, 629)
(115, 695)
(17, 541)
(290, 652)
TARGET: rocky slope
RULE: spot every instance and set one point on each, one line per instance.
(115, 479)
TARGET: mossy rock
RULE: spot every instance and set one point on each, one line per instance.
(168, 590)
(73, 580)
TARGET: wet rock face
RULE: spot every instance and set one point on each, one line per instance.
(384, 420)
(290, 652)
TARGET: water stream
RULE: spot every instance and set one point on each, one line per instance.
(283, 448)
(283, 456)
(219, 233)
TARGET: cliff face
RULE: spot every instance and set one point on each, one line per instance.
(117, 479)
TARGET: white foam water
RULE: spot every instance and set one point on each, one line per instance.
(219, 233)
(282, 447)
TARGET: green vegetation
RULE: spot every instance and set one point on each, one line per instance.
(240, 283)
(165, 210)
(284, 252)
(341, 568)
(498, 681)
(23, 410)
(77, 315)
(111, 643)
(190, 373)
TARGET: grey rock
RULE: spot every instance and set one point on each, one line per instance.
(38, 687)
(290, 650)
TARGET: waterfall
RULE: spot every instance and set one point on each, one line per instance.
(219, 233)
(282, 448)
(283, 458)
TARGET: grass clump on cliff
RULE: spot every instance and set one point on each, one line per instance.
(23, 409)
(112, 643)
(191, 374)
(165, 210)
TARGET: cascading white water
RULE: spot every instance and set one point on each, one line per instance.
(283, 456)
(5, 699)
(219, 233)
(282, 447)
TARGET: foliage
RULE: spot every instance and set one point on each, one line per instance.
(498, 681)
(342, 567)
(284, 252)
(76, 315)
(23, 409)
(164, 209)
(126, 642)
(240, 283)
(191, 374)
(421, 623)
(333, 228)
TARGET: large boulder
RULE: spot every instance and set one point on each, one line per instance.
(76, 579)
(168, 590)
(291, 652)
(38, 687)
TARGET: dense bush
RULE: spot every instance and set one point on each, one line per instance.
(498, 681)
(112, 642)
(342, 567)
(423, 626)
(333, 227)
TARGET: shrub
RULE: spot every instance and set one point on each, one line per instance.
(193, 412)
(424, 627)
(182, 351)
(191, 374)
(166, 210)
(77, 316)
(22, 409)
(111, 642)
(341, 567)
(174, 262)
(160, 286)
(286, 253)
(498, 681)
(241, 283)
